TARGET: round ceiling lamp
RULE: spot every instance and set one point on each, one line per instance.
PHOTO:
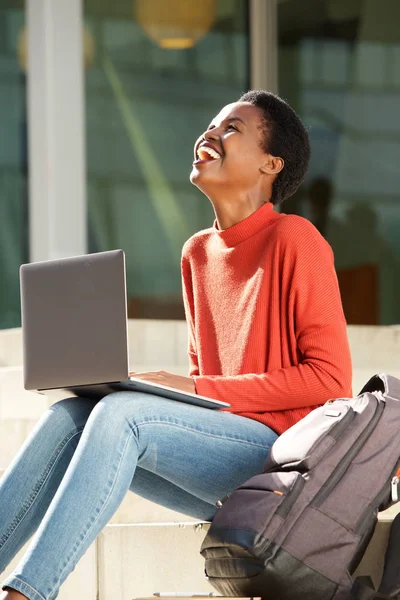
(22, 48)
(175, 24)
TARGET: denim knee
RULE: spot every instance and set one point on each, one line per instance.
(71, 412)
(118, 406)
(131, 407)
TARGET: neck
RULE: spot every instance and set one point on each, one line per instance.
(228, 216)
(230, 211)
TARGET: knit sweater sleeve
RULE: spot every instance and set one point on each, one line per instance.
(324, 370)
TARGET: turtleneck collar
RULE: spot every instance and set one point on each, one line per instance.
(245, 229)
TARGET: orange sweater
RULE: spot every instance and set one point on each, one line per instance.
(266, 326)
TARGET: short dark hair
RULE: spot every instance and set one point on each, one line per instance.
(284, 135)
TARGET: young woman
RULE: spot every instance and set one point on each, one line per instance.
(266, 333)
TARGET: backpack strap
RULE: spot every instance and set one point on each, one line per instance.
(387, 384)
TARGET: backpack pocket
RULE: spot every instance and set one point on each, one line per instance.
(242, 526)
(322, 544)
(253, 504)
(347, 477)
(241, 558)
(318, 432)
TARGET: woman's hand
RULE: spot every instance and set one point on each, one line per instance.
(186, 384)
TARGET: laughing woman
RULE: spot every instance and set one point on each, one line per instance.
(266, 334)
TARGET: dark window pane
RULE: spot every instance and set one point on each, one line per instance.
(13, 163)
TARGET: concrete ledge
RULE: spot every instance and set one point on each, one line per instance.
(151, 342)
(375, 347)
(137, 510)
(165, 342)
(138, 560)
(10, 347)
(13, 433)
(15, 401)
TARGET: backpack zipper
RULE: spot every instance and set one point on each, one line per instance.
(220, 503)
(285, 507)
(286, 504)
(345, 463)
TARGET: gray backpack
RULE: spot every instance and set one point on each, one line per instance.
(298, 530)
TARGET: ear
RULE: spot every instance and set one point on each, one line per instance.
(273, 165)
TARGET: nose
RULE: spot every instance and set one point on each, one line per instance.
(210, 134)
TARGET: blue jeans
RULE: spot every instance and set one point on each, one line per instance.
(74, 469)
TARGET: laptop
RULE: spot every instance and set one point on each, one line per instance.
(75, 329)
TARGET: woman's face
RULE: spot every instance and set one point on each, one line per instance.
(229, 153)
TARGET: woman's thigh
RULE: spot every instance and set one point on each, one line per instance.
(206, 453)
(157, 489)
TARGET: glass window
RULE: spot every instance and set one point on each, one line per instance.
(13, 160)
(159, 73)
(339, 67)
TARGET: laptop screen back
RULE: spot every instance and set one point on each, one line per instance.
(74, 321)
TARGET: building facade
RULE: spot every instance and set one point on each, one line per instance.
(101, 103)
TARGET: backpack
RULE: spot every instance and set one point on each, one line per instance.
(298, 530)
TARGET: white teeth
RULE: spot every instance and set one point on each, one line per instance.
(210, 151)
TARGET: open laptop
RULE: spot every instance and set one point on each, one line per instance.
(75, 330)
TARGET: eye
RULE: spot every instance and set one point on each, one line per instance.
(232, 126)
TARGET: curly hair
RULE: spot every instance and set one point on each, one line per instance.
(284, 135)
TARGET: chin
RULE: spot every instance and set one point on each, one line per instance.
(194, 176)
(201, 178)
(199, 181)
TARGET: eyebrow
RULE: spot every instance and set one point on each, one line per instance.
(228, 120)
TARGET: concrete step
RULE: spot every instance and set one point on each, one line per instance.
(156, 342)
(82, 583)
(139, 511)
(10, 347)
(151, 342)
(135, 550)
(13, 433)
(164, 343)
(15, 401)
(138, 560)
(130, 560)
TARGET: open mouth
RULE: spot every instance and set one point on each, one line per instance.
(207, 154)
